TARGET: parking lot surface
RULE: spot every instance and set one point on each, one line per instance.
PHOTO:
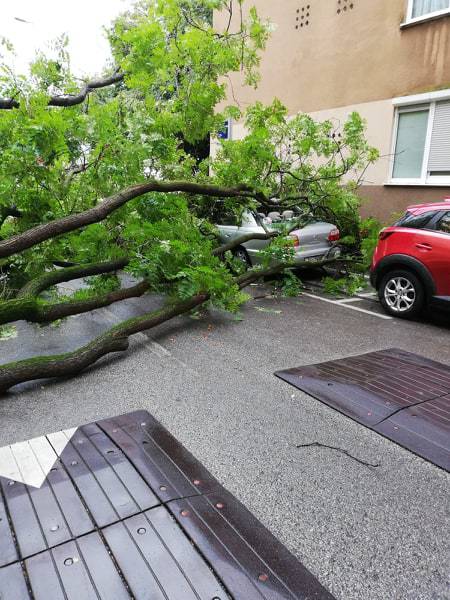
(367, 517)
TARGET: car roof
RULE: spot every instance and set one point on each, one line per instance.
(418, 209)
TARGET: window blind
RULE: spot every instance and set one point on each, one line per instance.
(439, 161)
(424, 7)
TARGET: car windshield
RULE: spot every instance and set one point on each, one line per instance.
(279, 220)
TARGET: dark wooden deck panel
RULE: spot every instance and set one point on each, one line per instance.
(126, 512)
(400, 395)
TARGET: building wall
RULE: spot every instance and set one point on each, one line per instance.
(356, 56)
(329, 63)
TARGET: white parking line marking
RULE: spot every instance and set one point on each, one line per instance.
(347, 300)
(337, 303)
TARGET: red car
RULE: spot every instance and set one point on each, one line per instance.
(411, 265)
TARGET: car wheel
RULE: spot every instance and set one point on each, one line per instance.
(241, 254)
(402, 294)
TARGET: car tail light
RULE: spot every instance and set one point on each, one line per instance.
(295, 239)
(334, 235)
(383, 235)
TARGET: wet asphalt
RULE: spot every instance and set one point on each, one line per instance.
(367, 533)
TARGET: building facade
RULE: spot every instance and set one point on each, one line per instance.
(389, 60)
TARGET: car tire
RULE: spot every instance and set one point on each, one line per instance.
(402, 294)
(241, 254)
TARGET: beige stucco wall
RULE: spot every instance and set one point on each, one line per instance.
(379, 117)
(357, 56)
(359, 59)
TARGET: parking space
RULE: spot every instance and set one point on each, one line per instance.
(367, 517)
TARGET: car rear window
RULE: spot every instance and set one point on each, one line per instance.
(416, 221)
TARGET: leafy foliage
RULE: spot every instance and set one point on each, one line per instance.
(344, 285)
(59, 162)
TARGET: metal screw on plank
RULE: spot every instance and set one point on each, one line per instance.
(185, 513)
(74, 462)
(263, 577)
(54, 528)
(10, 482)
(143, 424)
(68, 562)
(163, 488)
(220, 505)
(141, 531)
(115, 430)
(196, 481)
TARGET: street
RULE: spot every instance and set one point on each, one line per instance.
(367, 517)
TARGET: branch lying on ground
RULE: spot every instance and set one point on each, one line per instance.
(98, 213)
(113, 340)
(341, 450)
(27, 305)
(47, 280)
(69, 99)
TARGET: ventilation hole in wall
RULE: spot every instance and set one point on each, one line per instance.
(344, 6)
(302, 18)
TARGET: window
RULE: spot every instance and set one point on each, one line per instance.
(420, 10)
(416, 221)
(225, 133)
(421, 145)
(444, 223)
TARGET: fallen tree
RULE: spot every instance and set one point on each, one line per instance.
(95, 184)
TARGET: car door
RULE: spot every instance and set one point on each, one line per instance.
(437, 246)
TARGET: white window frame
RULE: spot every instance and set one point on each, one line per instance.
(411, 104)
(427, 17)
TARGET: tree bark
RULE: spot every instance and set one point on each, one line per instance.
(242, 240)
(47, 280)
(113, 340)
(69, 99)
(98, 213)
(33, 310)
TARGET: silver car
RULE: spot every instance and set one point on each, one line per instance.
(314, 242)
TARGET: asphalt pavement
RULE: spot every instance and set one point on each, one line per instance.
(371, 523)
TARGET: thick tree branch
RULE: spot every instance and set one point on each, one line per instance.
(242, 240)
(46, 231)
(47, 280)
(113, 340)
(69, 99)
(35, 311)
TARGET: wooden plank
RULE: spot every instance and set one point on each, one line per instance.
(106, 579)
(8, 550)
(98, 503)
(51, 520)
(74, 576)
(26, 525)
(138, 573)
(123, 503)
(135, 485)
(249, 560)
(44, 578)
(189, 561)
(172, 472)
(230, 565)
(75, 514)
(12, 583)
